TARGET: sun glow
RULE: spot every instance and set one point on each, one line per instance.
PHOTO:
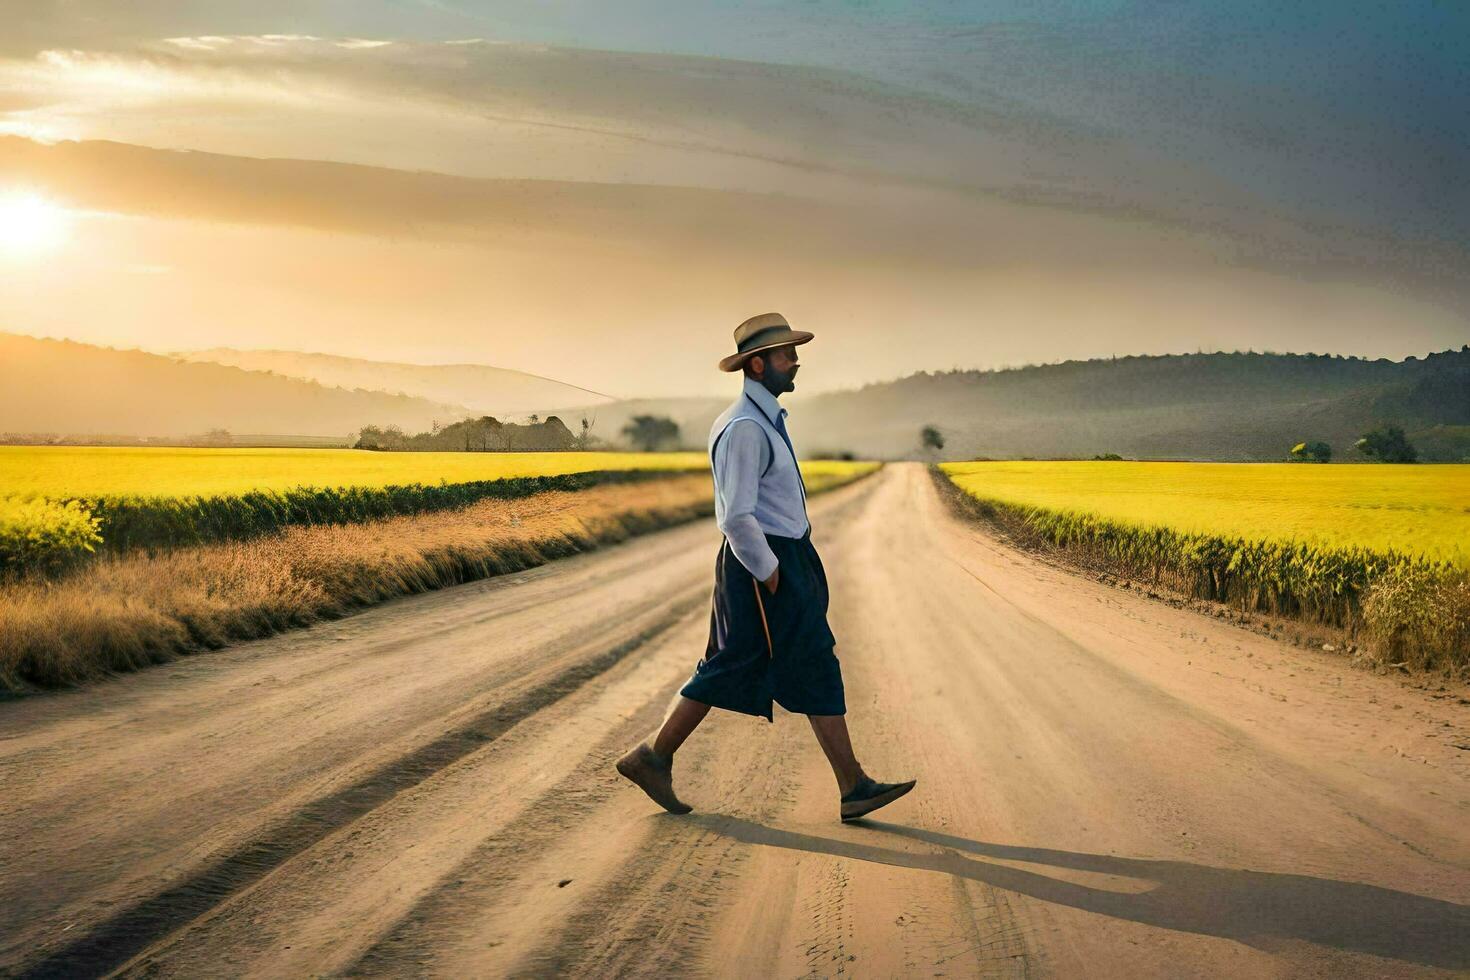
(31, 225)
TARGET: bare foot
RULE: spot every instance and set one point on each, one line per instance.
(643, 766)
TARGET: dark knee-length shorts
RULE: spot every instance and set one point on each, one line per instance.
(798, 669)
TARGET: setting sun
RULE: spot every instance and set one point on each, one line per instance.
(30, 224)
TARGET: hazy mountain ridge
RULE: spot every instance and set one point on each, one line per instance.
(485, 390)
(694, 416)
(1239, 406)
(69, 388)
(1217, 406)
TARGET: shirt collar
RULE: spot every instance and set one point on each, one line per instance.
(764, 399)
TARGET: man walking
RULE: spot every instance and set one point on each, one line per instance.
(768, 636)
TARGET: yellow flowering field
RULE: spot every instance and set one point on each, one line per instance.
(61, 472)
(61, 503)
(1421, 509)
(1381, 550)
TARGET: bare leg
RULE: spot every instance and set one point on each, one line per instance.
(832, 735)
(682, 719)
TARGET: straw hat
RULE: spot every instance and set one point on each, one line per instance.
(761, 333)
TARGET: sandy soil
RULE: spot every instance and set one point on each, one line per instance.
(1108, 786)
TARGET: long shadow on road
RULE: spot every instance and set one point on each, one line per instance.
(1259, 908)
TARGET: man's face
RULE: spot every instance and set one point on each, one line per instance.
(776, 363)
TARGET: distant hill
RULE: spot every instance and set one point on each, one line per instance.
(68, 388)
(693, 415)
(1221, 406)
(485, 390)
(1240, 406)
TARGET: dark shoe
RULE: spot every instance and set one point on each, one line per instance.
(868, 796)
(654, 776)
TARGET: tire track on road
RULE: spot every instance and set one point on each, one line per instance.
(127, 933)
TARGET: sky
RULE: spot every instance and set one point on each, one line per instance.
(600, 191)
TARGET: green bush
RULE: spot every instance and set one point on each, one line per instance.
(1311, 452)
(45, 534)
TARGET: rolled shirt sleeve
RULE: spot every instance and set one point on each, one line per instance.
(739, 459)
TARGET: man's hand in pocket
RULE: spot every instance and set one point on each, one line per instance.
(774, 580)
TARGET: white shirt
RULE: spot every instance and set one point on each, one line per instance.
(758, 485)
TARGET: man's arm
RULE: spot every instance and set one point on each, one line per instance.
(739, 459)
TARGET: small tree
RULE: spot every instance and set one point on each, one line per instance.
(931, 438)
(1311, 452)
(1387, 444)
(649, 432)
(487, 426)
(387, 438)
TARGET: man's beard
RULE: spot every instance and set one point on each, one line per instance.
(778, 382)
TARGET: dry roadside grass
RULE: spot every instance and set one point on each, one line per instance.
(126, 612)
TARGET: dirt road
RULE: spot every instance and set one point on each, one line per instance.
(1107, 787)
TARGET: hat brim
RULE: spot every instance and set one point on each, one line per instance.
(734, 361)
